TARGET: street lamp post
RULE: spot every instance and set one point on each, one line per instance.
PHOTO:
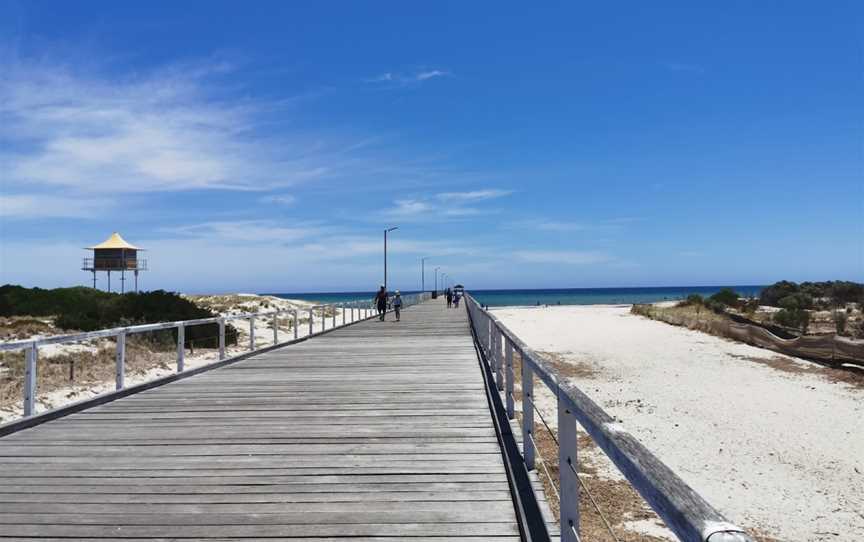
(436, 278)
(386, 231)
(423, 273)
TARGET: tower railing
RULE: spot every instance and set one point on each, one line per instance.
(683, 510)
(351, 312)
(114, 264)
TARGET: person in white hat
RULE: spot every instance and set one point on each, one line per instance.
(397, 305)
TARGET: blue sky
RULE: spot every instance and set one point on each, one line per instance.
(263, 146)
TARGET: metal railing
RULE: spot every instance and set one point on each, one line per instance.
(352, 312)
(114, 264)
(683, 510)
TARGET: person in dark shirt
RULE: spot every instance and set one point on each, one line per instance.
(381, 302)
(449, 296)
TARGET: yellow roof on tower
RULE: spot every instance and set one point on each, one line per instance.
(115, 241)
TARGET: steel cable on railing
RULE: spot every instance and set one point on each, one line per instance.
(572, 468)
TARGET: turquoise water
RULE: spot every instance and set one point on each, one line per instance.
(562, 296)
(599, 296)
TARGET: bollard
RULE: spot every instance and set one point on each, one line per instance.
(31, 357)
(181, 346)
(567, 465)
(221, 338)
(120, 369)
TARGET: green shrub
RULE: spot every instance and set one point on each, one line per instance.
(692, 300)
(751, 305)
(835, 293)
(797, 301)
(840, 320)
(716, 306)
(793, 318)
(726, 296)
(774, 293)
(86, 309)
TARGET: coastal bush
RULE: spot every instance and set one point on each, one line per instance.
(716, 306)
(824, 295)
(840, 320)
(751, 305)
(726, 296)
(87, 309)
(692, 300)
(777, 291)
(797, 301)
(793, 318)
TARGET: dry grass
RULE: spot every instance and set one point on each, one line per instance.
(781, 363)
(618, 500)
(16, 328)
(89, 368)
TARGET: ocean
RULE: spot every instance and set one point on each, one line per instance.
(556, 296)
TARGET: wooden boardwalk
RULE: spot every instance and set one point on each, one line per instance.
(376, 431)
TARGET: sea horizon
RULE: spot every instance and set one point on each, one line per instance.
(551, 296)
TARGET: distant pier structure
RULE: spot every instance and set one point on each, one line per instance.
(115, 254)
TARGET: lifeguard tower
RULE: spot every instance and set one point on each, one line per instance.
(115, 254)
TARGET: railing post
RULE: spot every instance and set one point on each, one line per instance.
(491, 353)
(488, 333)
(527, 415)
(296, 319)
(221, 338)
(334, 314)
(120, 370)
(251, 333)
(499, 360)
(508, 359)
(276, 327)
(567, 465)
(181, 346)
(323, 317)
(31, 356)
(343, 314)
(311, 316)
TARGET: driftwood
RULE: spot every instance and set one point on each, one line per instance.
(830, 349)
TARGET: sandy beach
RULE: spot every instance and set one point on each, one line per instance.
(776, 443)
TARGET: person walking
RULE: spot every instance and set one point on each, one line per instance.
(449, 296)
(381, 302)
(397, 305)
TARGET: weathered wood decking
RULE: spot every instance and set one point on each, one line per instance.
(377, 431)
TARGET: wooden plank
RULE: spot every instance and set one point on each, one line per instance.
(377, 431)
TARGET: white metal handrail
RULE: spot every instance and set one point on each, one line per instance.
(685, 512)
(364, 310)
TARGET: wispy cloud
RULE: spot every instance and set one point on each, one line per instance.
(475, 195)
(161, 131)
(565, 226)
(564, 257)
(30, 206)
(246, 231)
(393, 79)
(422, 76)
(279, 199)
(445, 204)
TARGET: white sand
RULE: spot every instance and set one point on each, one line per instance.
(774, 450)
